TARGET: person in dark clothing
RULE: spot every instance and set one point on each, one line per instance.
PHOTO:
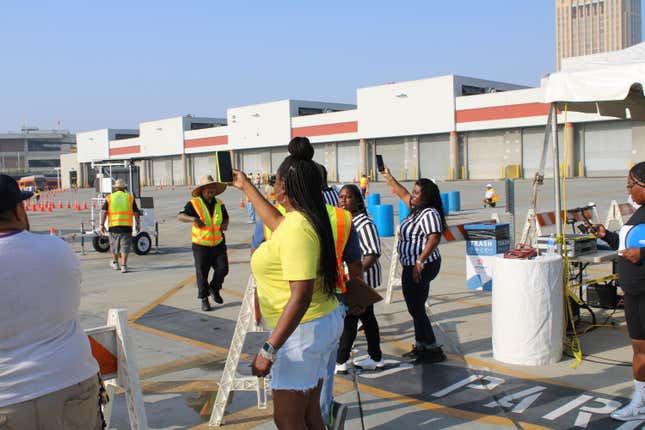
(210, 219)
(631, 278)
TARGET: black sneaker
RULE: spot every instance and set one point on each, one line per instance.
(431, 355)
(413, 353)
(206, 306)
(217, 297)
(338, 416)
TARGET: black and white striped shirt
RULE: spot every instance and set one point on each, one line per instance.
(370, 243)
(330, 195)
(414, 235)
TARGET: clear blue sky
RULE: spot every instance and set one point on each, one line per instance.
(116, 63)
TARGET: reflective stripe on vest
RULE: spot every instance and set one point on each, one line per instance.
(211, 233)
(120, 209)
(341, 222)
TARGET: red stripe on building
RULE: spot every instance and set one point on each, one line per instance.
(206, 141)
(325, 129)
(135, 149)
(502, 112)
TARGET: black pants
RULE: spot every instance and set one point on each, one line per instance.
(415, 298)
(205, 258)
(370, 325)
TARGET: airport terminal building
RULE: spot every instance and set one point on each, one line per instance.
(446, 128)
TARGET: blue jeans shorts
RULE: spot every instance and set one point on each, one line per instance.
(302, 361)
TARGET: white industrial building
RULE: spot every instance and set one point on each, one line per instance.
(447, 128)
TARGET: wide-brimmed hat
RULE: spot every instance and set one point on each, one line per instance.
(120, 184)
(489, 185)
(10, 193)
(208, 182)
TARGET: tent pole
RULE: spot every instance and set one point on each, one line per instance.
(556, 170)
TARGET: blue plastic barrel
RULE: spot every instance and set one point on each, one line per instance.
(373, 199)
(454, 201)
(445, 202)
(404, 211)
(384, 220)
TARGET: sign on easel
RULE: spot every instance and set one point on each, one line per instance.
(616, 213)
(231, 381)
(112, 348)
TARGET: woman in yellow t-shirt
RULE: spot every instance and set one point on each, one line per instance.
(296, 275)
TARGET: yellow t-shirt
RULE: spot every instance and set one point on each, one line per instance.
(292, 254)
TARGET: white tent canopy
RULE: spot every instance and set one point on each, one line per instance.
(610, 84)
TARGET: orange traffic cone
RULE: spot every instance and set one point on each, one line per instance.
(49, 208)
(52, 231)
(41, 208)
(242, 203)
(33, 207)
(60, 205)
(84, 206)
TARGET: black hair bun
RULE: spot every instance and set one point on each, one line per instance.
(301, 149)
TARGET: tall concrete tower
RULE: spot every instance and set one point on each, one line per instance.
(586, 27)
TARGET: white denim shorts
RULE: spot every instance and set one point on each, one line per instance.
(302, 360)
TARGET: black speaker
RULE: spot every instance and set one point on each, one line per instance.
(602, 296)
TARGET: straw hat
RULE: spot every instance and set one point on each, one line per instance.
(120, 184)
(208, 182)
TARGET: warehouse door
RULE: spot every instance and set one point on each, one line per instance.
(177, 171)
(485, 154)
(203, 165)
(162, 171)
(348, 161)
(252, 162)
(532, 144)
(608, 148)
(277, 157)
(434, 156)
(393, 152)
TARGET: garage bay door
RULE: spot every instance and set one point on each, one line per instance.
(485, 154)
(434, 156)
(252, 162)
(162, 171)
(393, 152)
(608, 148)
(177, 171)
(277, 157)
(532, 144)
(348, 161)
(203, 164)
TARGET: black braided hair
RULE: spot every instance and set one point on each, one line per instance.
(430, 198)
(302, 184)
(358, 197)
(638, 172)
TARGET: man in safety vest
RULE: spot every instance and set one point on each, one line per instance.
(363, 183)
(121, 210)
(210, 219)
(490, 196)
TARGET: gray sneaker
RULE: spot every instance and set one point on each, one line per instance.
(114, 265)
(633, 411)
(124, 269)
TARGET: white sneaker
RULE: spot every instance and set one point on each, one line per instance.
(114, 265)
(124, 269)
(342, 368)
(633, 411)
(369, 364)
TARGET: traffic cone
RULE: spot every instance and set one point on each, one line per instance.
(172, 188)
(41, 208)
(52, 231)
(69, 204)
(33, 207)
(84, 206)
(60, 205)
(242, 203)
(49, 208)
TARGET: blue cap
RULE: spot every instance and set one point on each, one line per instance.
(10, 193)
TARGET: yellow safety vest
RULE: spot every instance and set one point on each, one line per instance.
(211, 233)
(341, 223)
(495, 197)
(120, 209)
(363, 182)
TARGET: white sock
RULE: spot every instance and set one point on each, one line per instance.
(639, 393)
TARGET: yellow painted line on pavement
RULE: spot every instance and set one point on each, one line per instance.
(135, 316)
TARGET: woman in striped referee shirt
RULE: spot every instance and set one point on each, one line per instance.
(420, 233)
(351, 200)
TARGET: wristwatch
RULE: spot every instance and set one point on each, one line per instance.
(269, 352)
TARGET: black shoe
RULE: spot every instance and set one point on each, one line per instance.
(430, 355)
(413, 353)
(206, 306)
(217, 297)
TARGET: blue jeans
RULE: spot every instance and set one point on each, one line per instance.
(251, 210)
(327, 393)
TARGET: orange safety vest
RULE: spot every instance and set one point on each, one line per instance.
(211, 233)
(341, 223)
(363, 182)
(120, 209)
